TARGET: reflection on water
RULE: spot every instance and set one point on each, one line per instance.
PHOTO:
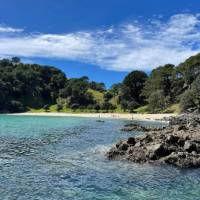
(64, 158)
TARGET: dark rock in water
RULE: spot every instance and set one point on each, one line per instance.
(137, 127)
(183, 159)
(178, 144)
(100, 121)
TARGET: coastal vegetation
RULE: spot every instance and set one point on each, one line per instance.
(36, 88)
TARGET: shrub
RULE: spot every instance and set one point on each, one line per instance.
(59, 107)
(90, 107)
(75, 106)
(97, 107)
(124, 104)
(46, 107)
(132, 105)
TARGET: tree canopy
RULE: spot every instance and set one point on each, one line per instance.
(24, 86)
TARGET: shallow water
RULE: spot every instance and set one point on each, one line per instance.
(56, 158)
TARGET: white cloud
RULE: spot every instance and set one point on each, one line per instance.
(7, 29)
(126, 47)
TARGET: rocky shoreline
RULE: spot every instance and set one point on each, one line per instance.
(177, 144)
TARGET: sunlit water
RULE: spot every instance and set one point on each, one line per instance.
(52, 158)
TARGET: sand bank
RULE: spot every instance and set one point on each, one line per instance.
(102, 115)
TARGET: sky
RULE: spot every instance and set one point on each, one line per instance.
(101, 39)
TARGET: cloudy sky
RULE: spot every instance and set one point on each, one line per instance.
(101, 39)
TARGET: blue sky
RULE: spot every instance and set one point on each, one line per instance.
(102, 39)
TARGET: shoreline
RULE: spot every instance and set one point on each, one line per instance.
(127, 116)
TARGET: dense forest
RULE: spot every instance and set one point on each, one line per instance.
(25, 87)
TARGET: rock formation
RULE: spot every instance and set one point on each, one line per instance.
(177, 144)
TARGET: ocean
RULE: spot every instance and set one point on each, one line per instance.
(61, 158)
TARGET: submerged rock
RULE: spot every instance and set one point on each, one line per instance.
(178, 144)
(137, 127)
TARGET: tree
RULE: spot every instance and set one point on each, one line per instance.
(107, 96)
(131, 89)
(135, 83)
(97, 86)
(196, 91)
(124, 104)
(16, 106)
(190, 69)
(115, 89)
(97, 107)
(108, 106)
(157, 101)
(187, 100)
(15, 60)
(160, 78)
(76, 91)
(132, 105)
(59, 107)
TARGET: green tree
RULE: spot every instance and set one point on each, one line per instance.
(131, 89)
(157, 101)
(160, 78)
(188, 100)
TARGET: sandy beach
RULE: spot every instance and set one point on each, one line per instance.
(102, 115)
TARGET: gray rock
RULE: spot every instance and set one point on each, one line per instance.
(178, 144)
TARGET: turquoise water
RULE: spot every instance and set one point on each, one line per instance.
(52, 158)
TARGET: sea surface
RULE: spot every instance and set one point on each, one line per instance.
(61, 158)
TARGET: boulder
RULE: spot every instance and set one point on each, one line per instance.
(123, 146)
(131, 141)
(157, 151)
(190, 146)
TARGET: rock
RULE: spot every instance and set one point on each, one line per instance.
(119, 143)
(183, 160)
(131, 141)
(123, 147)
(178, 144)
(137, 127)
(157, 151)
(113, 153)
(101, 121)
(190, 146)
(172, 139)
(180, 127)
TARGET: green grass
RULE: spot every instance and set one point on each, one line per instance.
(52, 108)
(98, 96)
(142, 109)
(174, 108)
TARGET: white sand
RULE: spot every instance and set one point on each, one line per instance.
(102, 115)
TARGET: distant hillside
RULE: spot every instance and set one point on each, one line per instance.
(36, 88)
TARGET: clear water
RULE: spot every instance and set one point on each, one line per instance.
(52, 158)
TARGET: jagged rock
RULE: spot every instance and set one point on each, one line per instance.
(177, 144)
(123, 147)
(172, 139)
(190, 146)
